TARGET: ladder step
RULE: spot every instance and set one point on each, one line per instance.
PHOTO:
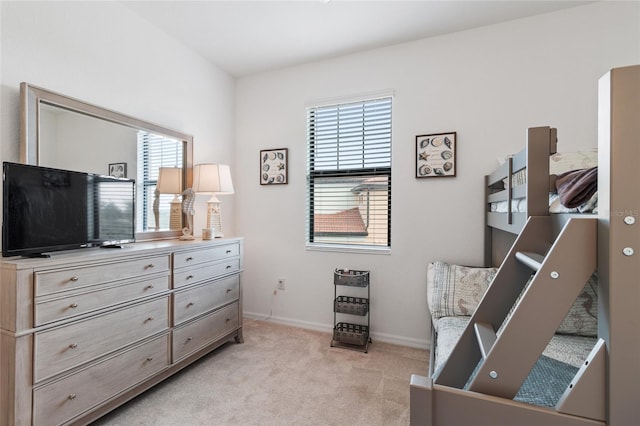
(486, 337)
(532, 260)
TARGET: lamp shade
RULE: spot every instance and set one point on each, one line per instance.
(212, 178)
(169, 180)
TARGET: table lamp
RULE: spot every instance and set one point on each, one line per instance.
(170, 182)
(213, 179)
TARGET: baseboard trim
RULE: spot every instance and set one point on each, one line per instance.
(328, 328)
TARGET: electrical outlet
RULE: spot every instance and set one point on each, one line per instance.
(281, 283)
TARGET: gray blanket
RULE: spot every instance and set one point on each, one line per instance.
(577, 186)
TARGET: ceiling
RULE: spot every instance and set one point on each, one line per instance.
(248, 37)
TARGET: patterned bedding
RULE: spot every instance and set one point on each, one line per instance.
(559, 164)
(454, 292)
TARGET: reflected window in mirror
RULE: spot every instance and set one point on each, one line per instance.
(63, 132)
(155, 151)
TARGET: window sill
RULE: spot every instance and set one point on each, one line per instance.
(345, 248)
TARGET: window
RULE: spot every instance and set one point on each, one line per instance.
(154, 151)
(349, 174)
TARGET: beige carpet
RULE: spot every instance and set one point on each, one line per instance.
(282, 376)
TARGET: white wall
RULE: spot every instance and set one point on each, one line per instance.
(488, 84)
(105, 54)
(62, 137)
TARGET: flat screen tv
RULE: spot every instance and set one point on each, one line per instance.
(46, 210)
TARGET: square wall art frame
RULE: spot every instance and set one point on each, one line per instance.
(274, 166)
(436, 155)
(118, 170)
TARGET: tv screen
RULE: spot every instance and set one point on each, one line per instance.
(46, 209)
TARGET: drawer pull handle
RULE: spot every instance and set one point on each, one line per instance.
(150, 266)
(189, 259)
(73, 305)
(190, 304)
(149, 358)
(73, 346)
(227, 320)
(72, 396)
(74, 278)
(149, 287)
(189, 339)
(149, 319)
(229, 266)
(228, 251)
(228, 290)
(189, 277)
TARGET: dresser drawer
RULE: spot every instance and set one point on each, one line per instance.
(193, 336)
(194, 257)
(205, 272)
(49, 309)
(62, 400)
(73, 278)
(61, 348)
(195, 301)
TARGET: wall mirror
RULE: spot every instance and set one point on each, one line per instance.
(61, 132)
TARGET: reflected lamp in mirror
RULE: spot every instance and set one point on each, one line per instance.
(212, 179)
(56, 130)
(169, 182)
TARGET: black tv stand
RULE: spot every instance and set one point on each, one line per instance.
(112, 246)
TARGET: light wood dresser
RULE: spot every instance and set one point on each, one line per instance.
(86, 330)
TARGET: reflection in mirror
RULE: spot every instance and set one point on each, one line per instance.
(155, 152)
(65, 133)
(167, 183)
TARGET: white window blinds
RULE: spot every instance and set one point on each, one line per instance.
(349, 173)
(154, 151)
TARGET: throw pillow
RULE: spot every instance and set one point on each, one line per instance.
(454, 290)
(582, 318)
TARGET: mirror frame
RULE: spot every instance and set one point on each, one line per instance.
(31, 97)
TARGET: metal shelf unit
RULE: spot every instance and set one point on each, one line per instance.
(347, 334)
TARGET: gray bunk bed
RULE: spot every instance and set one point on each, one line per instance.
(544, 261)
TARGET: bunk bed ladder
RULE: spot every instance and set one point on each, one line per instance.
(585, 395)
(558, 278)
(494, 307)
(531, 293)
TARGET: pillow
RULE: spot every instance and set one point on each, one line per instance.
(582, 318)
(560, 162)
(454, 290)
(517, 178)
